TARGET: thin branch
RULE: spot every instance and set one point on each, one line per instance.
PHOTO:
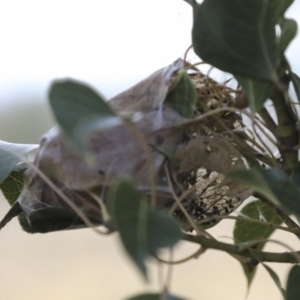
(284, 257)
(144, 145)
(64, 197)
(270, 124)
(294, 230)
(198, 229)
(200, 251)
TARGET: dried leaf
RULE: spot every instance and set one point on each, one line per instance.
(211, 153)
(201, 164)
(148, 94)
(112, 149)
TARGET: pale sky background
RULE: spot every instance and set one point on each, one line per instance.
(110, 45)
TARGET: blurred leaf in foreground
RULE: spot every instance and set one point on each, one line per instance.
(143, 230)
(276, 280)
(153, 296)
(273, 184)
(8, 159)
(293, 287)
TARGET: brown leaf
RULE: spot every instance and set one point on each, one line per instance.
(148, 94)
(211, 153)
(117, 151)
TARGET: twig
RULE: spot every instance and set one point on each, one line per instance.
(270, 124)
(64, 197)
(185, 55)
(144, 145)
(177, 262)
(199, 230)
(295, 230)
(285, 257)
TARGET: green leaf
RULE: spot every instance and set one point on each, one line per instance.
(74, 104)
(153, 296)
(293, 287)
(273, 184)
(12, 185)
(246, 231)
(295, 177)
(288, 33)
(143, 230)
(183, 97)
(191, 2)
(276, 279)
(51, 219)
(283, 5)
(8, 159)
(11, 188)
(257, 91)
(239, 37)
(296, 83)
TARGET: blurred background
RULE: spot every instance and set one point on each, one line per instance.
(111, 45)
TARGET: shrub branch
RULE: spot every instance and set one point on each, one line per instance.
(284, 257)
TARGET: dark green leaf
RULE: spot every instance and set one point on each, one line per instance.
(296, 83)
(74, 104)
(283, 6)
(43, 220)
(14, 211)
(288, 33)
(51, 219)
(238, 36)
(257, 91)
(273, 184)
(295, 177)
(12, 185)
(142, 229)
(153, 296)
(246, 231)
(276, 279)
(8, 159)
(293, 286)
(183, 97)
(191, 2)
